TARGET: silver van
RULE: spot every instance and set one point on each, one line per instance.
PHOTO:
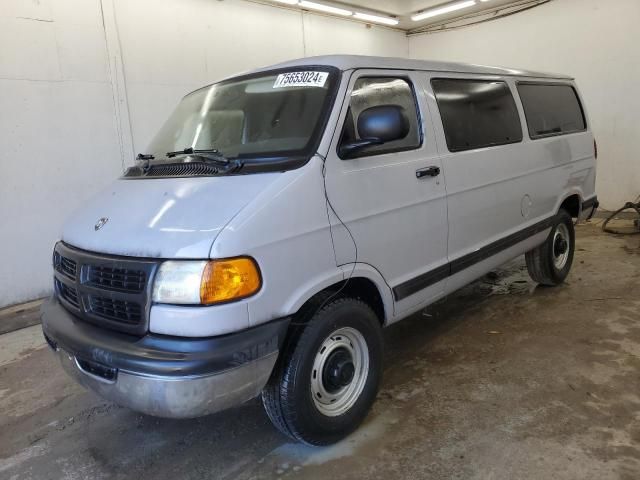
(281, 218)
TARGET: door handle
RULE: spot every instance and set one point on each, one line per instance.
(431, 171)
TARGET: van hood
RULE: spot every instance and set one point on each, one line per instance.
(162, 218)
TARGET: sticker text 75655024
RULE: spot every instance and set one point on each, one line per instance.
(301, 79)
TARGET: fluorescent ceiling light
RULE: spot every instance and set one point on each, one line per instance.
(442, 10)
(321, 7)
(375, 18)
(326, 8)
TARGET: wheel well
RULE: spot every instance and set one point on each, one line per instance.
(361, 288)
(572, 205)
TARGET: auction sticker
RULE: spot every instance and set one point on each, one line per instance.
(301, 79)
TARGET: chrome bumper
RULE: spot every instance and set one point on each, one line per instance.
(164, 376)
(176, 397)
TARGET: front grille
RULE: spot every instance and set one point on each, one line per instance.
(117, 279)
(119, 310)
(109, 291)
(69, 294)
(65, 265)
(184, 169)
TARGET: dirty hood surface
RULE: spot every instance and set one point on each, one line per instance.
(161, 218)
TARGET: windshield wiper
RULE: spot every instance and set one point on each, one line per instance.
(145, 156)
(206, 154)
(211, 155)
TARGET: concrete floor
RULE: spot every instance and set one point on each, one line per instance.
(501, 381)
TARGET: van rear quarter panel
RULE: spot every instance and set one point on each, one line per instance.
(570, 158)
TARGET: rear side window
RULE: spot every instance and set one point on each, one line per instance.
(477, 113)
(551, 109)
(378, 91)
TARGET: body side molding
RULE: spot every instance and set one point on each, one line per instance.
(427, 279)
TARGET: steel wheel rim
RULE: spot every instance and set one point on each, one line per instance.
(333, 403)
(561, 246)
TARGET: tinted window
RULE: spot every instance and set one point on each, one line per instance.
(258, 116)
(477, 113)
(377, 91)
(551, 109)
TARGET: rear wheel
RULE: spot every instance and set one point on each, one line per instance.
(550, 263)
(328, 376)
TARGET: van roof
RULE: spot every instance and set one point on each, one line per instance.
(348, 62)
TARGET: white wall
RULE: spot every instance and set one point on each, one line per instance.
(85, 83)
(204, 40)
(598, 42)
(58, 139)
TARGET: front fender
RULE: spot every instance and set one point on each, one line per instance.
(350, 271)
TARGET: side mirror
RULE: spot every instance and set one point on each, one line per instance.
(376, 126)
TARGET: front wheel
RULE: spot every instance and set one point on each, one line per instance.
(550, 263)
(328, 377)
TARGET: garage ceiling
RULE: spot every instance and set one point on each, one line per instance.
(407, 13)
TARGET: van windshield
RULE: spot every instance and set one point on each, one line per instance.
(275, 115)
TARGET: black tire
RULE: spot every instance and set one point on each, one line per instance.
(543, 261)
(288, 397)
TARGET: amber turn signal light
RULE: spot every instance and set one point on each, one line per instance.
(229, 279)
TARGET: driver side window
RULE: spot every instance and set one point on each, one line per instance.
(371, 92)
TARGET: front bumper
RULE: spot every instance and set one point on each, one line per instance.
(164, 376)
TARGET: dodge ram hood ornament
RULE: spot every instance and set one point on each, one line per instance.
(100, 223)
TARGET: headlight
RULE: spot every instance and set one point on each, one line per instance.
(206, 282)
